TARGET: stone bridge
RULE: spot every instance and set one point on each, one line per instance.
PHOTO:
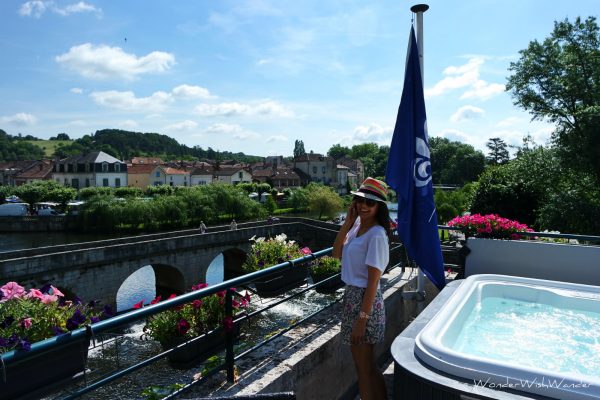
(96, 270)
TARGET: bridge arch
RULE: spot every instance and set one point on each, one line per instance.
(168, 280)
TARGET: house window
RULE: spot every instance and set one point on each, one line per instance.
(66, 182)
(314, 170)
(117, 182)
(105, 168)
(240, 174)
(323, 169)
(157, 174)
(75, 183)
(105, 181)
(87, 167)
(69, 167)
(117, 167)
(87, 182)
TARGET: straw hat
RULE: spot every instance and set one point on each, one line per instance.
(373, 189)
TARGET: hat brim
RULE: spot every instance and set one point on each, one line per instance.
(368, 196)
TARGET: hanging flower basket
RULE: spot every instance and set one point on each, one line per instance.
(323, 268)
(280, 282)
(197, 349)
(44, 372)
(202, 323)
(266, 253)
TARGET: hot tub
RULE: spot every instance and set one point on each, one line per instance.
(522, 334)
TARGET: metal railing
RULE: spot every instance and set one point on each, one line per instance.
(91, 332)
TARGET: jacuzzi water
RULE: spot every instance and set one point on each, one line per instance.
(544, 336)
(519, 333)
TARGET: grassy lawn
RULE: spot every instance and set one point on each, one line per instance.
(49, 146)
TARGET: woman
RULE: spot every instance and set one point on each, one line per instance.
(362, 245)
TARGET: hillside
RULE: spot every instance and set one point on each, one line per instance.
(49, 146)
(118, 143)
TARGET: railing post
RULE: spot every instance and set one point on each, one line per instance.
(229, 332)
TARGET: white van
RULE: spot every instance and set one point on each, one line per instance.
(13, 209)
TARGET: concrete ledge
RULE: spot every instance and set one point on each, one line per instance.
(311, 361)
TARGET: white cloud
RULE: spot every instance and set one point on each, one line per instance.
(77, 8)
(103, 62)
(77, 123)
(36, 8)
(483, 90)
(33, 9)
(277, 138)
(465, 76)
(127, 101)
(264, 107)
(466, 113)
(372, 133)
(459, 136)
(76, 90)
(21, 119)
(191, 92)
(182, 126)
(223, 128)
(236, 131)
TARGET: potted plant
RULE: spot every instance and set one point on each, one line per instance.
(266, 253)
(29, 316)
(323, 268)
(201, 324)
(489, 226)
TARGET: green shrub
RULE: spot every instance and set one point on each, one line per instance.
(326, 265)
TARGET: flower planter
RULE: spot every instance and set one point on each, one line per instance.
(199, 349)
(36, 376)
(328, 287)
(281, 282)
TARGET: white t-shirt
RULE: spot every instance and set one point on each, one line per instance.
(371, 249)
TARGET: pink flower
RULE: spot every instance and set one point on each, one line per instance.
(49, 298)
(197, 304)
(12, 290)
(26, 323)
(228, 323)
(183, 327)
(200, 286)
(139, 304)
(305, 251)
(35, 294)
(156, 299)
(57, 292)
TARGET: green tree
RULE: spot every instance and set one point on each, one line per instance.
(559, 80)
(299, 148)
(323, 200)
(498, 153)
(338, 151)
(299, 199)
(454, 162)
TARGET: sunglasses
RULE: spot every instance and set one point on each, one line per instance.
(368, 202)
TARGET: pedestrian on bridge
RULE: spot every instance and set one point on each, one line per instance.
(233, 225)
(202, 227)
(362, 244)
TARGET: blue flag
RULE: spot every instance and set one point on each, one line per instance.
(408, 172)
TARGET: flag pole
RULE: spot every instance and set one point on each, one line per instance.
(419, 9)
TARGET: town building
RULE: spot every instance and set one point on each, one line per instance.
(38, 170)
(139, 175)
(90, 170)
(162, 175)
(232, 176)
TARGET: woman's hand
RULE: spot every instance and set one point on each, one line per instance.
(358, 331)
(352, 214)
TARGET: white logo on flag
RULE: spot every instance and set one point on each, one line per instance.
(422, 163)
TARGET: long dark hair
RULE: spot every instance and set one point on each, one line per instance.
(383, 217)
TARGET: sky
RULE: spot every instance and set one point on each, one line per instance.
(254, 76)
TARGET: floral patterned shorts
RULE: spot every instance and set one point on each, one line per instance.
(351, 304)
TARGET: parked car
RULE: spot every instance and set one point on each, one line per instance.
(13, 209)
(48, 212)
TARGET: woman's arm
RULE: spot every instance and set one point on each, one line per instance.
(338, 244)
(358, 331)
